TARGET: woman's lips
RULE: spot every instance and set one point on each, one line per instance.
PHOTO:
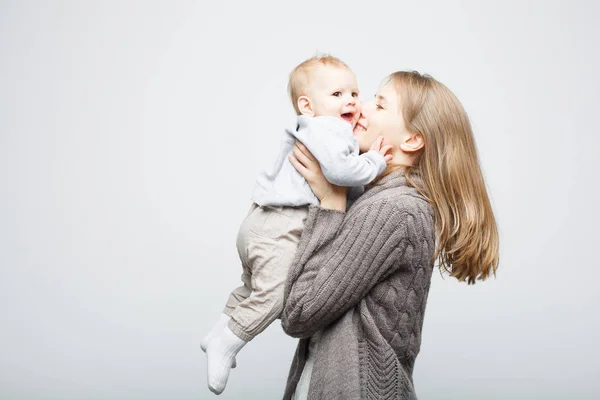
(359, 127)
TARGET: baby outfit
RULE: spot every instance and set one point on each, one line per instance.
(269, 235)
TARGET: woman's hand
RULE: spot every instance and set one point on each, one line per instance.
(331, 196)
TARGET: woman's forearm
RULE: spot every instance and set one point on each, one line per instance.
(334, 202)
(339, 260)
(335, 199)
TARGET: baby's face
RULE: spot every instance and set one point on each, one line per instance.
(334, 92)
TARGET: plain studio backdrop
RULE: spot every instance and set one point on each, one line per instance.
(131, 134)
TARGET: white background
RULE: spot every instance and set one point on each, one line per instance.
(130, 137)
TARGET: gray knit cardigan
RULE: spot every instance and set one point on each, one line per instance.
(362, 277)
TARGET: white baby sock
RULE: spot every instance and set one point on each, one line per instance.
(221, 352)
(221, 323)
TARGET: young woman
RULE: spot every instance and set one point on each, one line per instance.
(358, 286)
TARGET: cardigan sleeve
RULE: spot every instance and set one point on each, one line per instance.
(340, 257)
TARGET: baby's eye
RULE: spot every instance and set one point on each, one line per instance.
(354, 94)
(337, 94)
(378, 106)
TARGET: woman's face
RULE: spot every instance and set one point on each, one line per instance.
(381, 116)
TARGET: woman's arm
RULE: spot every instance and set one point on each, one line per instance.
(341, 257)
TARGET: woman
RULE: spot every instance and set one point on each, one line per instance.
(360, 278)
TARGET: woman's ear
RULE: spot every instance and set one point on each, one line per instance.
(305, 106)
(413, 142)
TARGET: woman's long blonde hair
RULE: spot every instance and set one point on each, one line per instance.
(450, 177)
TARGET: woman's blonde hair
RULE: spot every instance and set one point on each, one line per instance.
(450, 177)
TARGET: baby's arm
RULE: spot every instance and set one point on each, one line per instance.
(346, 169)
(321, 135)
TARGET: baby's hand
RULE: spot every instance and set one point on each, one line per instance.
(377, 146)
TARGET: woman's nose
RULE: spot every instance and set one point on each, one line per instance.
(358, 106)
(367, 106)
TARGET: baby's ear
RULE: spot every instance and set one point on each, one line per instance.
(305, 106)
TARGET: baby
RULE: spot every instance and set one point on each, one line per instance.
(325, 96)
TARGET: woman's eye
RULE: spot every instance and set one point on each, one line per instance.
(378, 106)
(337, 94)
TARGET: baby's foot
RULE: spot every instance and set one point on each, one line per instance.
(219, 326)
(221, 352)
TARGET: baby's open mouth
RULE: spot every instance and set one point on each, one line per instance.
(348, 117)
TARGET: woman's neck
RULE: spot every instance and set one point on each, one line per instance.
(399, 160)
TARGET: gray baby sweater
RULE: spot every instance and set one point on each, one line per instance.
(331, 141)
(362, 278)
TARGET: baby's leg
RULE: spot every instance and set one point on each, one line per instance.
(243, 292)
(269, 240)
(236, 297)
(271, 246)
(239, 294)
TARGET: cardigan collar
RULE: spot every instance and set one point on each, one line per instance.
(391, 179)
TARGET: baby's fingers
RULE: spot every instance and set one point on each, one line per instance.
(385, 149)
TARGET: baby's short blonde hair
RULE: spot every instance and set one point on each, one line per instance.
(300, 76)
